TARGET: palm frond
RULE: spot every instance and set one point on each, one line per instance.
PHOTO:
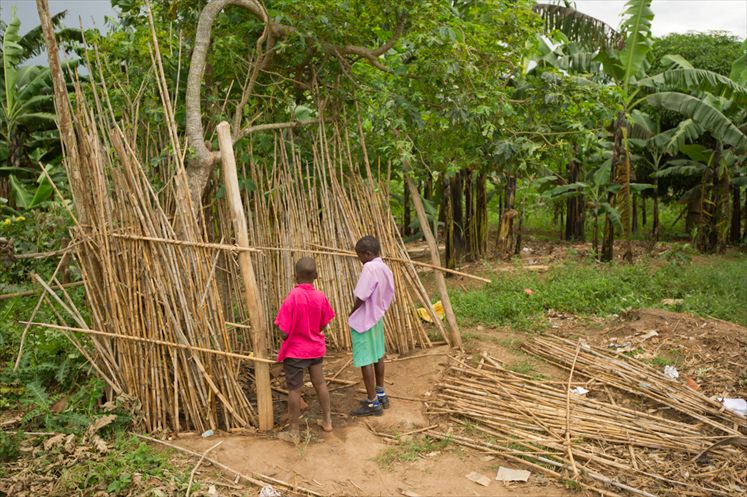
(697, 80)
(700, 111)
(672, 140)
(577, 26)
(638, 41)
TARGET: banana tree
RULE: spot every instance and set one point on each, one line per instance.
(718, 106)
(27, 122)
(624, 59)
(656, 145)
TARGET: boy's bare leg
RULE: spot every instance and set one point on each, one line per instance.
(369, 380)
(294, 411)
(379, 369)
(320, 385)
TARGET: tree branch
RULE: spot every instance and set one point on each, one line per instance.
(201, 166)
(265, 127)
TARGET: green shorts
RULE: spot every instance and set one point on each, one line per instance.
(368, 347)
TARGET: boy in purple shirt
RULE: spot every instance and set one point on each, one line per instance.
(373, 294)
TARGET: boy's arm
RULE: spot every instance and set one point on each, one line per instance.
(356, 305)
(284, 319)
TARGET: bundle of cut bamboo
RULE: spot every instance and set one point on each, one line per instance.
(604, 446)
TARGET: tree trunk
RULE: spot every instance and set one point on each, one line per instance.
(454, 220)
(634, 225)
(596, 233)
(467, 225)
(480, 217)
(405, 210)
(714, 226)
(575, 208)
(655, 214)
(643, 211)
(450, 251)
(735, 234)
(616, 170)
(507, 235)
(627, 200)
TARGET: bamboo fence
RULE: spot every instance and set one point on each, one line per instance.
(165, 317)
(628, 447)
(321, 207)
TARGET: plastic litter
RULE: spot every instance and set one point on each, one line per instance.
(208, 433)
(579, 391)
(737, 406)
(438, 308)
(269, 491)
(671, 372)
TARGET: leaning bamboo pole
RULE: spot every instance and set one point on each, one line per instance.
(254, 306)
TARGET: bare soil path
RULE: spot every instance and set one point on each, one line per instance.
(352, 460)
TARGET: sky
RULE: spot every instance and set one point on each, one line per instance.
(672, 16)
(678, 16)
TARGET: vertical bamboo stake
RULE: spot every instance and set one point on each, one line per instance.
(253, 302)
(456, 337)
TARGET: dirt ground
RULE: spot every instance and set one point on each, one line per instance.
(348, 460)
(351, 459)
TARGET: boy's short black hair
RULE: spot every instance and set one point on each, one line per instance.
(368, 244)
(306, 269)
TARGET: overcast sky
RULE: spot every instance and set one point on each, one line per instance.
(678, 16)
(672, 16)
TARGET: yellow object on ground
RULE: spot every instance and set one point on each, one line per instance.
(438, 308)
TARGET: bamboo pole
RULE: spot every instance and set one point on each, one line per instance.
(455, 335)
(253, 302)
(152, 341)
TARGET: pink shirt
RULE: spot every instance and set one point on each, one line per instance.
(303, 314)
(376, 289)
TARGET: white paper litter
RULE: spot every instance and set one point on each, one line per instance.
(738, 406)
(208, 433)
(671, 372)
(510, 474)
(479, 479)
(579, 391)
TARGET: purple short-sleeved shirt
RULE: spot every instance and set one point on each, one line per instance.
(376, 289)
(303, 314)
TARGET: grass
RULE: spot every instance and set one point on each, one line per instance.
(671, 357)
(115, 473)
(411, 450)
(714, 286)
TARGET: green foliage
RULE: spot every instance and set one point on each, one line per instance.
(115, 473)
(712, 51)
(9, 445)
(713, 288)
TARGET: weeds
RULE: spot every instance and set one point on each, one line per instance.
(411, 450)
(715, 288)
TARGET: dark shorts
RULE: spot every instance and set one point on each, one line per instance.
(294, 368)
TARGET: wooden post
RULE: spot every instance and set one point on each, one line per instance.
(253, 303)
(455, 336)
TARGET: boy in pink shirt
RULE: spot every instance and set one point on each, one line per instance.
(305, 312)
(373, 294)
